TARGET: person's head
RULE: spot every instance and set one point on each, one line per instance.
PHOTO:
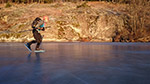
(45, 19)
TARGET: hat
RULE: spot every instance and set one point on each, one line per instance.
(45, 18)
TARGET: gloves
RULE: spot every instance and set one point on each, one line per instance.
(43, 29)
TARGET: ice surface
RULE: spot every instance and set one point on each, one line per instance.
(76, 63)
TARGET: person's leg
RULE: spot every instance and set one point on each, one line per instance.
(38, 39)
(33, 41)
(29, 44)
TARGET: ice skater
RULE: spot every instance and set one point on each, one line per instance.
(37, 25)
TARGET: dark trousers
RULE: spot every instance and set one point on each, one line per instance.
(37, 37)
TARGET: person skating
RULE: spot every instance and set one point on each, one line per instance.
(37, 25)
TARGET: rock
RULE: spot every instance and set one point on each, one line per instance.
(70, 22)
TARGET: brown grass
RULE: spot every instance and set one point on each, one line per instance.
(139, 19)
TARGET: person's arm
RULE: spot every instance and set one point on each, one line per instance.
(41, 28)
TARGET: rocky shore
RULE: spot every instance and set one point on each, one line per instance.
(70, 22)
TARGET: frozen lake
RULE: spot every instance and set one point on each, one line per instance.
(76, 63)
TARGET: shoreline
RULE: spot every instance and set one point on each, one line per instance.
(73, 42)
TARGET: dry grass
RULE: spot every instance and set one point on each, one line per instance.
(139, 21)
(137, 18)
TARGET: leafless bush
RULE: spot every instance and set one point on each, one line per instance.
(139, 18)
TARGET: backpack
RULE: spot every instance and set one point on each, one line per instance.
(37, 22)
